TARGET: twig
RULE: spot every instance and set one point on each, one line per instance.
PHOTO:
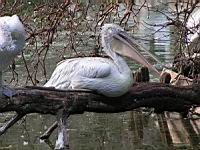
(11, 122)
(49, 131)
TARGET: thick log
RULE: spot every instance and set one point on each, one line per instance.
(162, 97)
(63, 103)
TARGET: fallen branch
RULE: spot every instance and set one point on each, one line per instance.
(10, 123)
(161, 97)
(48, 132)
(42, 100)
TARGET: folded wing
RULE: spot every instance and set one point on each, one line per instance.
(70, 71)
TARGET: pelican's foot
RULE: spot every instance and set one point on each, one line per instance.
(5, 90)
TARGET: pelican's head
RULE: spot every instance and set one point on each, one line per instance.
(108, 31)
(16, 28)
(116, 40)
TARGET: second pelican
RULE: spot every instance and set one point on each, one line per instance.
(108, 76)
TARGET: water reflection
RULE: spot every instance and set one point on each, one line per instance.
(130, 130)
(122, 131)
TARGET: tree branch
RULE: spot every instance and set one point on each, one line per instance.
(10, 123)
(48, 132)
(162, 97)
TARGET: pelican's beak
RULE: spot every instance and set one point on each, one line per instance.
(124, 45)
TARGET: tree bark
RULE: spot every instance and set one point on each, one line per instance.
(42, 100)
(63, 103)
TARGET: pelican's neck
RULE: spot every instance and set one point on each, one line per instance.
(118, 60)
(121, 64)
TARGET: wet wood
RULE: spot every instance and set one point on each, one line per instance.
(48, 132)
(162, 97)
(169, 76)
(181, 130)
(142, 75)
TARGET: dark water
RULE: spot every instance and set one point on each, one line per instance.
(121, 131)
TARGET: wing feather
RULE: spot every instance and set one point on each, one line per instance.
(77, 68)
(193, 25)
(6, 42)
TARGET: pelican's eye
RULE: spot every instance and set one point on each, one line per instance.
(20, 19)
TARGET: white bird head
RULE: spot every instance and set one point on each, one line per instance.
(16, 28)
(115, 39)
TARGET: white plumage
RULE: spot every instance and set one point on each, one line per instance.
(12, 41)
(193, 37)
(109, 76)
(99, 74)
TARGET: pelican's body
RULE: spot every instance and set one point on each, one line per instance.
(94, 73)
(12, 41)
(193, 37)
(193, 24)
(109, 76)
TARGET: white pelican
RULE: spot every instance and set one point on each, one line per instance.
(109, 76)
(12, 41)
(193, 38)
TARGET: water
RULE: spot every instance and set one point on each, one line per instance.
(121, 131)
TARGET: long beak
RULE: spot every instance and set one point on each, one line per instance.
(124, 45)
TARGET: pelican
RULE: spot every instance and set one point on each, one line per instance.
(12, 41)
(193, 25)
(108, 76)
